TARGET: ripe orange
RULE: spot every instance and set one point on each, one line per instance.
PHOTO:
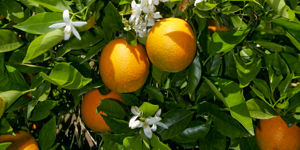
(22, 141)
(171, 44)
(1, 17)
(89, 106)
(214, 26)
(274, 134)
(123, 67)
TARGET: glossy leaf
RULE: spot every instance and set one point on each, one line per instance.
(118, 126)
(4, 145)
(9, 41)
(10, 97)
(12, 10)
(66, 76)
(238, 107)
(213, 141)
(42, 110)
(157, 144)
(155, 94)
(111, 108)
(94, 50)
(114, 17)
(133, 143)
(5, 126)
(196, 130)
(281, 8)
(56, 6)
(194, 75)
(47, 134)
(177, 120)
(42, 91)
(228, 126)
(42, 44)
(159, 75)
(39, 23)
(130, 38)
(279, 65)
(148, 109)
(259, 109)
(130, 99)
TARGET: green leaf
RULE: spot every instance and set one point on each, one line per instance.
(42, 91)
(12, 10)
(18, 104)
(130, 38)
(154, 93)
(94, 50)
(113, 141)
(130, 99)
(10, 97)
(292, 27)
(279, 65)
(118, 126)
(5, 145)
(111, 108)
(9, 41)
(196, 130)
(226, 41)
(262, 88)
(248, 143)
(133, 142)
(47, 134)
(43, 43)
(285, 84)
(213, 141)
(66, 76)
(247, 71)
(115, 19)
(56, 6)
(157, 144)
(177, 120)
(238, 107)
(39, 23)
(228, 126)
(148, 109)
(281, 8)
(159, 76)
(2, 106)
(206, 6)
(259, 109)
(42, 110)
(5, 126)
(194, 75)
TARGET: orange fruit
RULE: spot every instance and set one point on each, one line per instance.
(171, 44)
(1, 17)
(123, 67)
(22, 141)
(274, 134)
(89, 105)
(214, 26)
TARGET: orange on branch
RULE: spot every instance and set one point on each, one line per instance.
(123, 67)
(274, 134)
(89, 106)
(171, 44)
(22, 141)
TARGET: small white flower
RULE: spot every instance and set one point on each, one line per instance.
(156, 2)
(133, 123)
(198, 1)
(150, 18)
(136, 12)
(154, 126)
(146, 125)
(69, 26)
(147, 6)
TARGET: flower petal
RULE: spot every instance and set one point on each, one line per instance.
(75, 32)
(158, 112)
(147, 131)
(79, 23)
(57, 25)
(135, 110)
(152, 120)
(67, 36)
(132, 120)
(136, 124)
(154, 127)
(66, 16)
(162, 125)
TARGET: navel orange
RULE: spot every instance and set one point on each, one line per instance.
(22, 141)
(123, 67)
(171, 44)
(89, 105)
(274, 134)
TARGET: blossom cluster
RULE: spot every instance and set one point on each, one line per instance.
(143, 16)
(145, 122)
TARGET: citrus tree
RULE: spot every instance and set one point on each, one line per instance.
(149, 74)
